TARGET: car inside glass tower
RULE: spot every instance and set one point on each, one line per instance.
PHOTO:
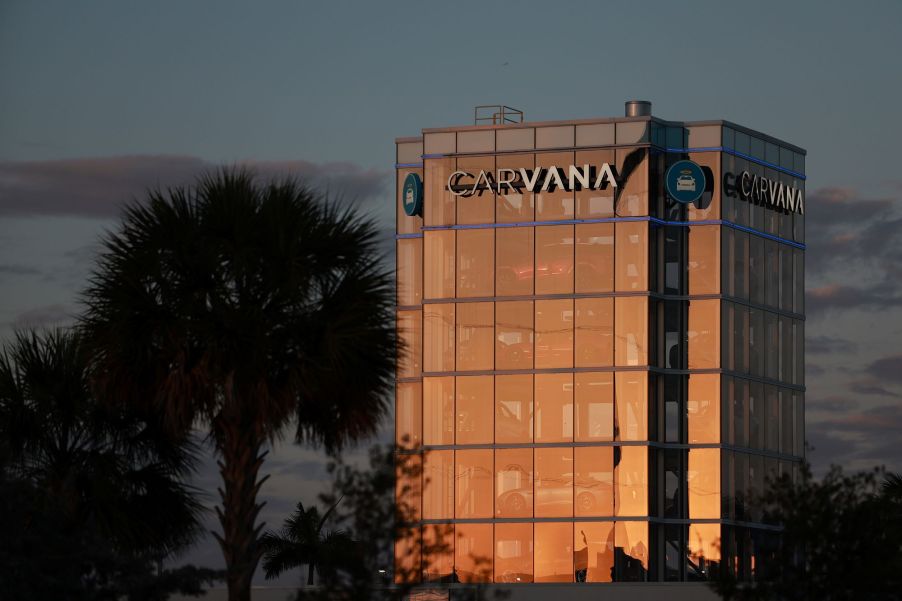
(595, 378)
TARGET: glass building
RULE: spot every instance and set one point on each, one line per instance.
(595, 380)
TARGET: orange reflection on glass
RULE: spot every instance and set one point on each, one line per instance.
(703, 407)
(475, 336)
(632, 539)
(514, 335)
(475, 263)
(631, 265)
(630, 331)
(631, 394)
(594, 396)
(704, 259)
(594, 484)
(439, 205)
(438, 254)
(554, 202)
(408, 550)
(473, 553)
(703, 476)
(710, 201)
(438, 485)
(631, 482)
(410, 271)
(475, 409)
(513, 552)
(593, 556)
(554, 407)
(554, 259)
(632, 165)
(410, 332)
(438, 552)
(474, 483)
(513, 483)
(409, 414)
(594, 257)
(480, 207)
(704, 334)
(514, 261)
(704, 545)
(554, 482)
(553, 552)
(594, 332)
(512, 206)
(438, 337)
(600, 202)
(513, 408)
(554, 333)
(438, 410)
(408, 487)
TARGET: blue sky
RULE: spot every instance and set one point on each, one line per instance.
(100, 100)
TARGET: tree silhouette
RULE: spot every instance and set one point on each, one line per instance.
(242, 307)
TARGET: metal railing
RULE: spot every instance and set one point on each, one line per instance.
(496, 114)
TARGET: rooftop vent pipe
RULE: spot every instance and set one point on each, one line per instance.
(638, 108)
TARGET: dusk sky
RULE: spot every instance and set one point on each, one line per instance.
(101, 100)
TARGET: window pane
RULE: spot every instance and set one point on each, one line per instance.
(703, 477)
(554, 333)
(438, 485)
(513, 483)
(514, 335)
(408, 553)
(594, 482)
(410, 332)
(438, 254)
(409, 414)
(631, 551)
(480, 207)
(704, 334)
(772, 423)
(632, 165)
(772, 273)
(631, 264)
(704, 408)
(438, 410)
(594, 406)
(631, 330)
(555, 202)
(513, 408)
(475, 473)
(438, 337)
(554, 259)
(512, 205)
(704, 548)
(475, 336)
(756, 342)
(595, 203)
(475, 263)
(439, 205)
(631, 480)
(593, 557)
(410, 271)
(514, 260)
(475, 402)
(554, 552)
(438, 553)
(554, 482)
(757, 270)
(704, 259)
(594, 344)
(631, 397)
(473, 552)
(710, 200)
(513, 552)
(594, 257)
(408, 488)
(554, 407)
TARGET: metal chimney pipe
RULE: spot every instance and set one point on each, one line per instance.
(638, 108)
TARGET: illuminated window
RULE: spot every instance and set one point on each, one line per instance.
(513, 552)
(554, 259)
(474, 409)
(475, 263)
(514, 335)
(514, 261)
(513, 408)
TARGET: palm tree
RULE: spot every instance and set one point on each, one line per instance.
(239, 308)
(84, 483)
(303, 541)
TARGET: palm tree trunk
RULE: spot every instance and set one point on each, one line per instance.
(238, 443)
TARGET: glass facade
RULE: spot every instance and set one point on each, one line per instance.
(594, 384)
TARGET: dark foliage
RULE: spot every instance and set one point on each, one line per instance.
(242, 307)
(842, 539)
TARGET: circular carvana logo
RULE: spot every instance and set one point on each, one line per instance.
(685, 181)
(412, 195)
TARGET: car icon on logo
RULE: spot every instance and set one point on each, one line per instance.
(685, 182)
(408, 196)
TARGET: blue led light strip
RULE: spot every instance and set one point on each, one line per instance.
(655, 220)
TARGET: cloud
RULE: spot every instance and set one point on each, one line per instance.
(99, 187)
(823, 345)
(860, 439)
(47, 315)
(834, 297)
(14, 270)
(887, 369)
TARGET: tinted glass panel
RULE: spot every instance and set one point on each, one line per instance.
(554, 333)
(594, 484)
(554, 259)
(594, 344)
(513, 408)
(594, 257)
(554, 407)
(474, 410)
(475, 336)
(594, 406)
(554, 552)
(438, 254)
(514, 261)
(473, 487)
(475, 263)
(513, 552)
(513, 483)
